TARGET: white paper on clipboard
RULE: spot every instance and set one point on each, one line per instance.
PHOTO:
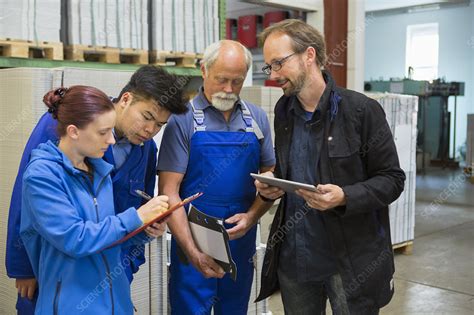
(211, 237)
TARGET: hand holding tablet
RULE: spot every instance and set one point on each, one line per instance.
(286, 185)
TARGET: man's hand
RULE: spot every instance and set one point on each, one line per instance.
(26, 287)
(326, 197)
(156, 229)
(243, 222)
(206, 265)
(267, 191)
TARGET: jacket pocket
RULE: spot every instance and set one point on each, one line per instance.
(345, 160)
(56, 298)
(343, 147)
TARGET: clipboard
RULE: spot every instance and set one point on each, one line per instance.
(211, 238)
(160, 217)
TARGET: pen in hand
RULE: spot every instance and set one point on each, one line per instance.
(142, 194)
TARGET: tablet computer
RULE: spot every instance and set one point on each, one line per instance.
(286, 185)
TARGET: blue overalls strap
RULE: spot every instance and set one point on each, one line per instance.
(247, 116)
(198, 115)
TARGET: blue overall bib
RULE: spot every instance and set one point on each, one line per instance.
(219, 166)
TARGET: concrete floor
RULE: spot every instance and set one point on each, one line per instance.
(438, 277)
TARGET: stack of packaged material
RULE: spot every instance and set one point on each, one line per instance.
(120, 24)
(140, 287)
(30, 20)
(260, 308)
(264, 96)
(150, 284)
(110, 82)
(401, 113)
(21, 91)
(159, 276)
(184, 25)
(470, 142)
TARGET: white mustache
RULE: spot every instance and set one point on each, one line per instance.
(225, 96)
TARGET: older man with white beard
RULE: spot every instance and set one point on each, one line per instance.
(213, 149)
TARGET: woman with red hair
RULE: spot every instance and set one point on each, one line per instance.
(68, 218)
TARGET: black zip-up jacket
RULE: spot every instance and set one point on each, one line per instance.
(358, 154)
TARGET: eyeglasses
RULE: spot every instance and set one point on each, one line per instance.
(276, 65)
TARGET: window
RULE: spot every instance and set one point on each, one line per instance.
(422, 51)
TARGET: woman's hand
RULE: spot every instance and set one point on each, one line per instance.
(153, 208)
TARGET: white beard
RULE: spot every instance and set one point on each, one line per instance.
(224, 101)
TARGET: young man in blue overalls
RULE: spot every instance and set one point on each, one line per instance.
(213, 149)
(141, 110)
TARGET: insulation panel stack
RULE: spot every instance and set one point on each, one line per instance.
(30, 20)
(264, 96)
(110, 82)
(260, 308)
(470, 142)
(184, 25)
(21, 92)
(401, 113)
(120, 24)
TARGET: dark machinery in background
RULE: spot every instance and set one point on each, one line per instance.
(434, 119)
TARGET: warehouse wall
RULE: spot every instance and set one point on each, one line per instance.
(385, 52)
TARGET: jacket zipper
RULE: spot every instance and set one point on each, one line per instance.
(104, 259)
(56, 298)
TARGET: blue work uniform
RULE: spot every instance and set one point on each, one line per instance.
(67, 224)
(219, 165)
(137, 172)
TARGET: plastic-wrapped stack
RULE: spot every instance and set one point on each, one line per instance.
(470, 142)
(159, 276)
(140, 287)
(30, 20)
(184, 25)
(149, 286)
(264, 96)
(21, 92)
(110, 82)
(401, 112)
(260, 308)
(120, 23)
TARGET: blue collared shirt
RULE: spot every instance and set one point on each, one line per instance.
(121, 150)
(305, 253)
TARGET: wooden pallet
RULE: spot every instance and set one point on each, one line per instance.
(469, 174)
(198, 59)
(106, 54)
(405, 248)
(170, 58)
(31, 49)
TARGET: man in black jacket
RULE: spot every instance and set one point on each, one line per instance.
(333, 243)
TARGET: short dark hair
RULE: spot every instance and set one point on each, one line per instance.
(303, 36)
(156, 84)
